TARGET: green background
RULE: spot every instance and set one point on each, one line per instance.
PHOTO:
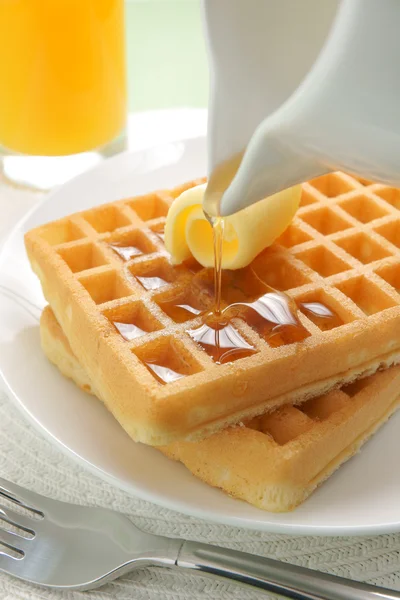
(167, 64)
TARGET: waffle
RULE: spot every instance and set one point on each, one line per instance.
(342, 249)
(277, 460)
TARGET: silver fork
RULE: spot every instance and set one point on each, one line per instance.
(65, 546)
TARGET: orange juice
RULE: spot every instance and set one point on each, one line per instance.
(62, 77)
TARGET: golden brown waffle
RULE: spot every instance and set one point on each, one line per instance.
(341, 249)
(277, 460)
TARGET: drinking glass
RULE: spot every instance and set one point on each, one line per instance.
(63, 100)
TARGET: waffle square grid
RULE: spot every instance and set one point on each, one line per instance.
(342, 248)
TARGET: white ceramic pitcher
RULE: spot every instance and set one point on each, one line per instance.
(306, 87)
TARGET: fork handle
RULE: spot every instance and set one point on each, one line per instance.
(289, 581)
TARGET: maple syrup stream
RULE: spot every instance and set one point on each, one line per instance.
(273, 315)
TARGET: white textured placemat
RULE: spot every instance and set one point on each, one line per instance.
(30, 460)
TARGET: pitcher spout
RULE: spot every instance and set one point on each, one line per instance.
(270, 164)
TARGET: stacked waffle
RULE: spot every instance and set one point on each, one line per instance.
(295, 411)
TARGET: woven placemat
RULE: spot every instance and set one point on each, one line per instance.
(30, 460)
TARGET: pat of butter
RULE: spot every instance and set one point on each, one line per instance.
(246, 233)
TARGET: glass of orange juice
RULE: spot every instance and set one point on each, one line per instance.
(63, 101)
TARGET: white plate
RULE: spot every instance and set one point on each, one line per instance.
(361, 498)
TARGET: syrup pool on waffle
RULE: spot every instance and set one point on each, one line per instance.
(221, 341)
(163, 373)
(129, 331)
(273, 316)
(159, 231)
(126, 252)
